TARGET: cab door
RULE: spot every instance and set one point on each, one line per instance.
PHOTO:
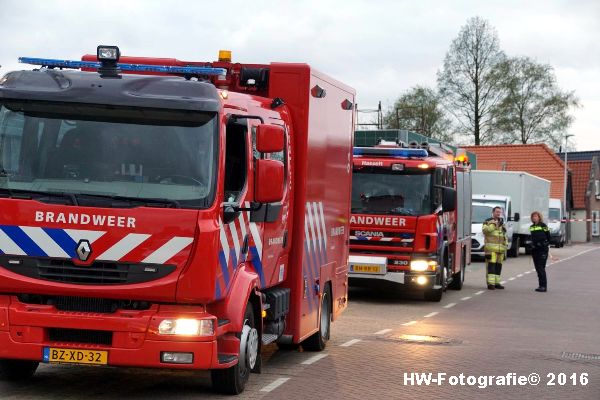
(272, 220)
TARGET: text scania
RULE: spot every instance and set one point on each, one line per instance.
(385, 221)
(368, 234)
(84, 219)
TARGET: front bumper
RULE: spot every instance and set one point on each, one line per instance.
(477, 245)
(556, 238)
(400, 280)
(24, 333)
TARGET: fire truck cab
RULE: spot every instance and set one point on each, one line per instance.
(410, 224)
(170, 214)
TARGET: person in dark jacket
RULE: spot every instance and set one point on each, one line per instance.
(540, 242)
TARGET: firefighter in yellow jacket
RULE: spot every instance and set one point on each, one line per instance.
(496, 243)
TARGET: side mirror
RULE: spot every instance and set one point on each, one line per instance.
(268, 182)
(448, 199)
(517, 217)
(269, 138)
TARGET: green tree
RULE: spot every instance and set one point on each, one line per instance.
(469, 87)
(533, 109)
(419, 110)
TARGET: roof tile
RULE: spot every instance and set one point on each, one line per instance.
(536, 159)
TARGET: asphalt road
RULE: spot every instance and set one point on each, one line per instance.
(383, 339)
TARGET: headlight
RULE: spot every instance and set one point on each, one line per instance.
(422, 265)
(186, 327)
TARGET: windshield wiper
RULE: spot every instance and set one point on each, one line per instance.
(130, 201)
(44, 197)
(401, 211)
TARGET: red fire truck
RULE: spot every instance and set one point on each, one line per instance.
(170, 214)
(411, 218)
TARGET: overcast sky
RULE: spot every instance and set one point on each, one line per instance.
(381, 48)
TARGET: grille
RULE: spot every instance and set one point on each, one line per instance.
(380, 243)
(80, 336)
(84, 304)
(98, 273)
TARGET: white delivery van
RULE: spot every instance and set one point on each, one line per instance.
(527, 192)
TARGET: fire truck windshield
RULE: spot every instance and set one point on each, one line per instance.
(375, 191)
(108, 152)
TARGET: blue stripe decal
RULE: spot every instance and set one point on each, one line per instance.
(316, 266)
(23, 241)
(323, 251)
(65, 241)
(218, 290)
(224, 267)
(258, 265)
(234, 259)
(307, 259)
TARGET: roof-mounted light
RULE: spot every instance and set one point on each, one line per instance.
(225, 55)
(166, 69)
(108, 57)
(108, 53)
(390, 152)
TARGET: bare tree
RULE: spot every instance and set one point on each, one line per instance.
(533, 109)
(419, 110)
(467, 81)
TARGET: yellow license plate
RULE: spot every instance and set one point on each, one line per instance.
(367, 269)
(75, 356)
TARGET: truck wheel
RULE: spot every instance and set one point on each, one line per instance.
(459, 278)
(233, 380)
(17, 370)
(514, 248)
(318, 340)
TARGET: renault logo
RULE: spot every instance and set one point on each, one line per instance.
(84, 249)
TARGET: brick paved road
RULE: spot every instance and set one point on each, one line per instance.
(483, 333)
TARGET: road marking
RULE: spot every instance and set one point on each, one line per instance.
(528, 272)
(409, 323)
(480, 292)
(274, 385)
(520, 275)
(433, 314)
(350, 343)
(573, 256)
(314, 359)
(503, 282)
(511, 278)
(382, 332)
(450, 305)
(466, 298)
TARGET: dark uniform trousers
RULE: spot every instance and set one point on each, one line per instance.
(540, 256)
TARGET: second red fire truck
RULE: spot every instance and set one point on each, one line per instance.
(411, 218)
(170, 214)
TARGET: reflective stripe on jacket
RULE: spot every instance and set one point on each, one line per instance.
(540, 236)
(496, 240)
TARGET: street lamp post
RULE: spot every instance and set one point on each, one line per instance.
(567, 216)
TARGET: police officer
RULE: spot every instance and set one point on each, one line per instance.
(540, 242)
(496, 243)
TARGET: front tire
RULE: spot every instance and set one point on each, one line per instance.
(459, 278)
(318, 340)
(17, 370)
(233, 380)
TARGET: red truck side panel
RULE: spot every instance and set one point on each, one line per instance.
(322, 139)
